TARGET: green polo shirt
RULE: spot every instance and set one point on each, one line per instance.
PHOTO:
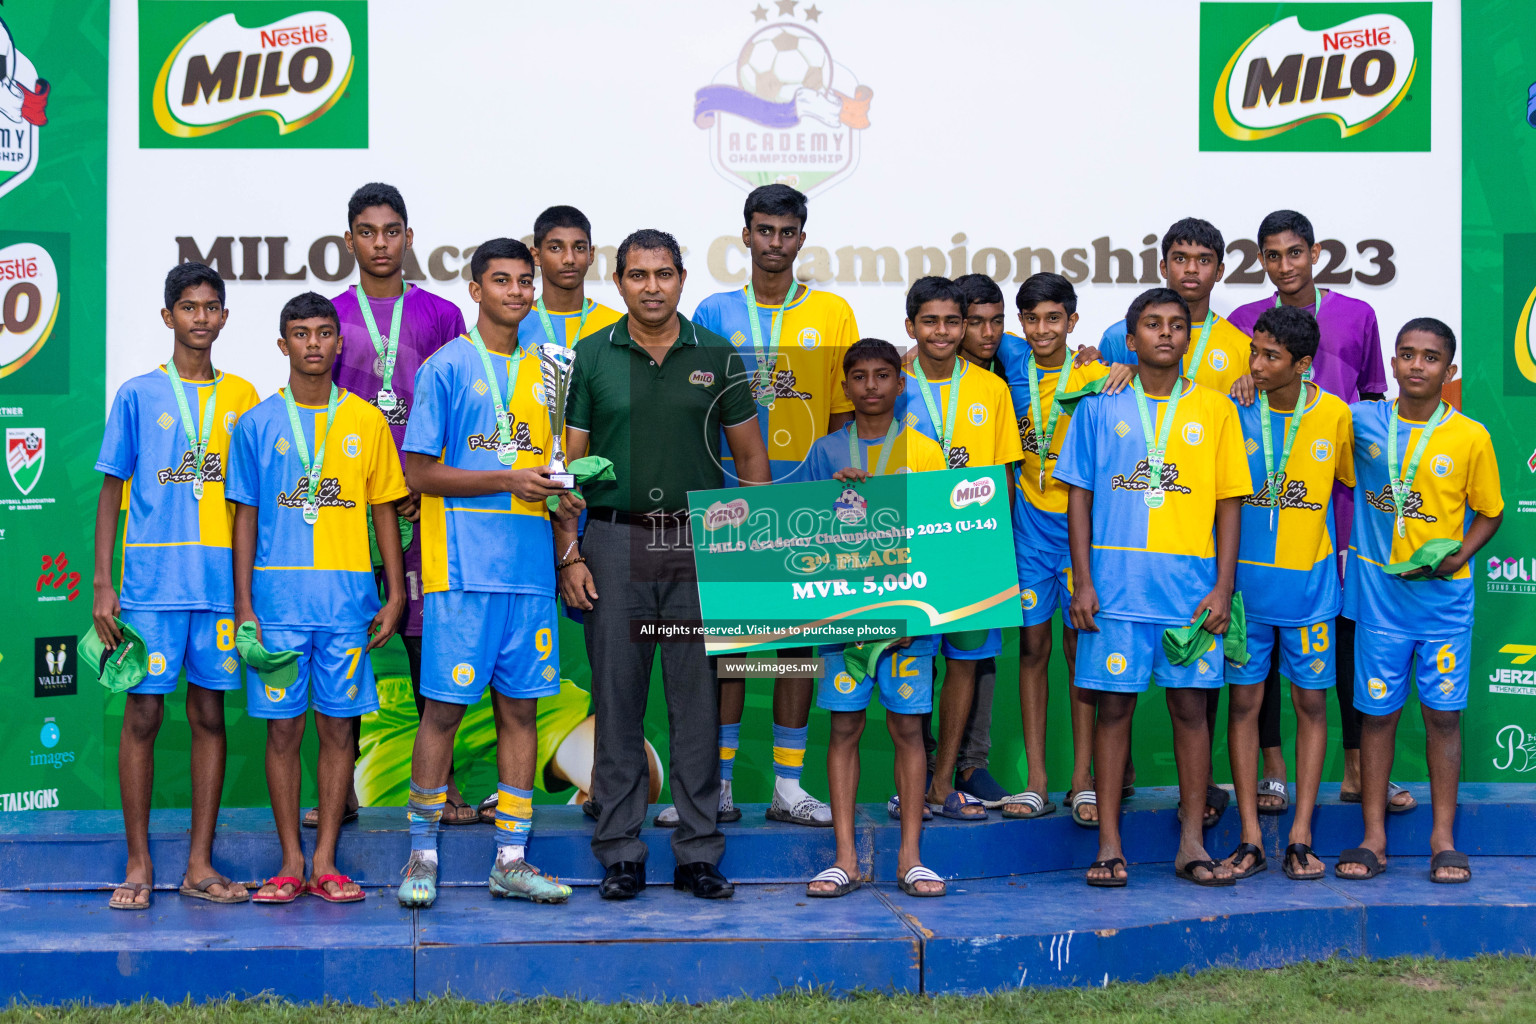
(659, 423)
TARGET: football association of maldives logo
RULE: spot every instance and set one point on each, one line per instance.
(23, 110)
(24, 454)
(784, 111)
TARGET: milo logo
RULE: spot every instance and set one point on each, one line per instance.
(725, 513)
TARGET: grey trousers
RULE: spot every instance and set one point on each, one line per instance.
(638, 580)
(976, 742)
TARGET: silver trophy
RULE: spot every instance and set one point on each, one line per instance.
(555, 363)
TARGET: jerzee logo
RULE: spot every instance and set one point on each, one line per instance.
(1514, 680)
(1509, 576)
(211, 73)
(23, 110)
(1268, 75)
(53, 666)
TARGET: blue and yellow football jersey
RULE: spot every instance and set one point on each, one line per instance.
(817, 329)
(1286, 564)
(1154, 565)
(316, 577)
(913, 453)
(1457, 477)
(494, 543)
(565, 325)
(176, 550)
(1224, 363)
(986, 430)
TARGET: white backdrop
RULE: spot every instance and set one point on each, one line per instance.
(1015, 124)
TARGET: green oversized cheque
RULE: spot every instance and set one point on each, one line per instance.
(912, 554)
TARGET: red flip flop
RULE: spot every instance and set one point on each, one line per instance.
(278, 882)
(317, 888)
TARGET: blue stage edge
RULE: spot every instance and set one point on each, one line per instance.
(1017, 914)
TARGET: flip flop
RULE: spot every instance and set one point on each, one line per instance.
(317, 888)
(1218, 798)
(131, 904)
(954, 807)
(1274, 787)
(838, 877)
(1298, 853)
(1450, 859)
(459, 818)
(1392, 790)
(1079, 799)
(918, 873)
(1187, 872)
(1112, 882)
(1247, 850)
(279, 881)
(346, 819)
(1038, 806)
(893, 809)
(985, 788)
(200, 890)
(1359, 855)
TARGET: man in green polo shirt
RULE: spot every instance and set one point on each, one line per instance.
(652, 393)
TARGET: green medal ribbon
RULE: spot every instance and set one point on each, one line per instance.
(387, 348)
(1274, 474)
(312, 470)
(854, 458)
(762, 380)
(549, 326)
(1044, 433)
(1318, 294)
(1205, 339)
(945, 428)
(1157, 451)
(506, 452)
(197, 446)
(1401, 485)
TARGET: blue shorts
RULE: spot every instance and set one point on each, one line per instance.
(905, 680)
(471, 640)
(1042, 598)
(991, 647)
(1123, 656)
(334, 671)
(1440, 664)
(1306, 655)
(201, 642)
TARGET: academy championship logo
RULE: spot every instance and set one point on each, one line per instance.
(783, 111)
(29, 303)
(23, 110)
(1315, 76)
(250, 74)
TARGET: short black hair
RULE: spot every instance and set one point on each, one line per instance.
(497, 249)
(560, 217)
(304, 306)
(1153, 297)
(647, 238)
(1293, 327)
(933, 289)
(190, 275)
(1196, 232)
(1282, 221)
(979, 290)
(375, 193)
(776, 201)
(1038, 288)
(866, 349)
(1428, 324)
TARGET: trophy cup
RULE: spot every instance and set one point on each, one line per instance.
(555, 362)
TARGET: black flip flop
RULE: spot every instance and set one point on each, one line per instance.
(1450, 859)
(1359, 855)
(1111, 882)
(1187, 872)
(1299, 852)
(1248, 850)
(1218, 798)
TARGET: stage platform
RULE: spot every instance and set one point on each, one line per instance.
(1018, 912)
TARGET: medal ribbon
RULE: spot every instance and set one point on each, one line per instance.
(886, 447)
(388, 350)
(1158, 451)
(503, 418)
(945, 428)
(1401, 485)
(764, 377)
(1318, 294)
(1045, 432)
(312, 470)
(198, 446)
(581, 325)
(1205, 339)
(1273, 473)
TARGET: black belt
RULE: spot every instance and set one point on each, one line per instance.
(647, 519)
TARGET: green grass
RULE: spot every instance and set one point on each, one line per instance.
(1401, 991)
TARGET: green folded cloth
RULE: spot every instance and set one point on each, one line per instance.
(276, 668)
(860, 659)
(121, 668)
(1068, 401)
(1185, 644)
(1429, 556)
(585, 469)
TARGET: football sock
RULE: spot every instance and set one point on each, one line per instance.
(730, 739)
(425, 812)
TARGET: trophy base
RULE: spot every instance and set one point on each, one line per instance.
(566, 480)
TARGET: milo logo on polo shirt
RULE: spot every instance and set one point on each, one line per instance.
(1413, 507)
(1142, 475)
(328, 496)
(186, 470)
(1293, 494)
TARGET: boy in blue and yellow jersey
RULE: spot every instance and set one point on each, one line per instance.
(168, 437)
(478, 449)
(1426, 500)
(876, 443)
(311, 466)
(1298, 440)
(969, 412)
(789, 343)
(1157, 476)
(562, 250)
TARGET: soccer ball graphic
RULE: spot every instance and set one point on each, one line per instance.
(780, 59)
